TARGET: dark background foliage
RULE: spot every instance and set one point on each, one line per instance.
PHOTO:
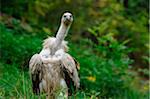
(108, 37)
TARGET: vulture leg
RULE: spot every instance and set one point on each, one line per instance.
(63, 94)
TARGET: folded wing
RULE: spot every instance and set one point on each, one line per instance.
(36, 72)
(70, 66)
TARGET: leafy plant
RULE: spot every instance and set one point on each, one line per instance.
(103, 66)
(17, 48)
(118, 28)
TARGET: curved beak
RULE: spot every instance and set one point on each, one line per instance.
(68, 18)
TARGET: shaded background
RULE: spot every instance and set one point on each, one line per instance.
(108, 37)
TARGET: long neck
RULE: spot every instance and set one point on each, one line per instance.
(60, 36)
(62, 32)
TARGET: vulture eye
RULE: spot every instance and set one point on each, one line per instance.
(70, 15)
(65, 16)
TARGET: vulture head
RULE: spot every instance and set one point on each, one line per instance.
(67, 18)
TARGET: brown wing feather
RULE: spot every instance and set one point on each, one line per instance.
(70, 67)
(77, 64)
(35, 67)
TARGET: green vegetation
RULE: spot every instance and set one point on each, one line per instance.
(109, 38)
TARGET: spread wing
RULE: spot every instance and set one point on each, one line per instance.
(70, 67)
(35, 68)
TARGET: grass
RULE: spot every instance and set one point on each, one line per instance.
(16, 83)
(104, 72)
